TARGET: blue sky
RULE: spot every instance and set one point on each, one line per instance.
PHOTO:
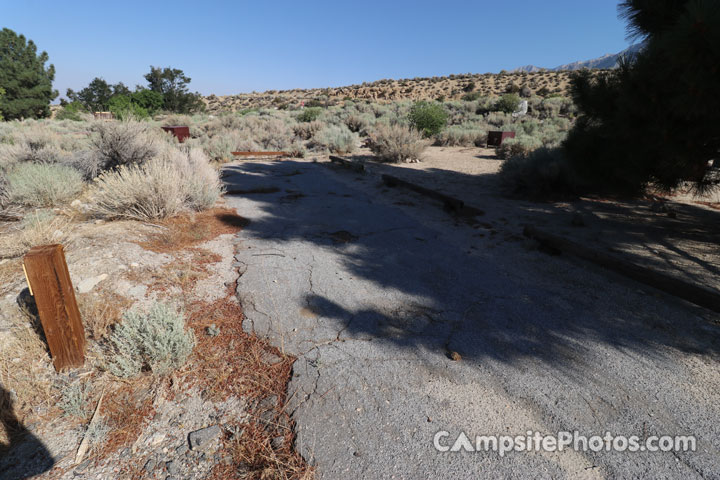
(230, 47)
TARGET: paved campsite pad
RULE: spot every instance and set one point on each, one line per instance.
(543, 343)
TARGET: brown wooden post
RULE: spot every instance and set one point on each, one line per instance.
(49, 282)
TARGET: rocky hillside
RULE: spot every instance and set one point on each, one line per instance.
(453, 87)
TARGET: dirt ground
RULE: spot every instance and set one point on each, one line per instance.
(233, 384)
(674, 234)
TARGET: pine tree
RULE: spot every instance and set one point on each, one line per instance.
(24, 77)
(654, 120)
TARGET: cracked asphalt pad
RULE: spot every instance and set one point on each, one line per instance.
(407, 322)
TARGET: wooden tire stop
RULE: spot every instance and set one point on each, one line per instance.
(49, 282)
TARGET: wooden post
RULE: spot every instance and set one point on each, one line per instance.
(49, 282)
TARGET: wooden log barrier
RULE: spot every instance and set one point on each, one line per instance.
(450, 203)
(688, 291)
(49, 281)
(261, 154)
(357, 166)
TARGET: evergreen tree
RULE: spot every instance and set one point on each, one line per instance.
(172, 84)
(654, 120)
(24, 77)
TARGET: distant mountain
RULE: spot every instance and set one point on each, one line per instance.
(606, 61)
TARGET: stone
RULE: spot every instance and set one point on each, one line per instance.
(156, 439)
(173, 467)
(150, 464)
(89, 283)
(212, 330)
(200, 439)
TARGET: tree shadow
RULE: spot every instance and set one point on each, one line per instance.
(24, 455)
(479, 306)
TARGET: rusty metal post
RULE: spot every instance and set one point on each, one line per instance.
(49, 281)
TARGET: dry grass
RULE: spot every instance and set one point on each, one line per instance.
(235, 363)
(188, 230)
(99, 312)
(25, 367)
(38, 228)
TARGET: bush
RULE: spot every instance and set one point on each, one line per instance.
(39, 185)
(429, 118)
(337, 139)
(462, 135)
(71, 111)
(471, 97)
(123, 108)
(123, 143)
(508, 103)
(309, 114)
(159, 188)
(357, 123)
(520, 146)
(73, 400)
(545, 172)
(306, 130)
(396, 143)
(155, 341)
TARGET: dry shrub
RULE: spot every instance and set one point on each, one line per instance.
(38, 228)
(100, 312)
(396, 143)
(43, 185)
(127, 142)
(159, 188)
(336, 138)
(306, 130)
(461, 135)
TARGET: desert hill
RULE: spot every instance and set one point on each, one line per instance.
(453, 87)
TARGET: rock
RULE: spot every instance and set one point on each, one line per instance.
(182, 449)
(150, 464)
(80, 469)
(173, 467)
(155, 440)
(200, 439)
(212, 330)
(89, 283)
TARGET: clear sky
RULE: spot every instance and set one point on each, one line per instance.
(231, 47)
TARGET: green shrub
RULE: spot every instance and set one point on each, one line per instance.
(40, 185)
(521, 146)
(508, 103)
(396, 143)
(309, 114)
(428, 118)
(74, 397)
(123, 108)
(545, 172)
(336, 138)
(70, 111)
(155, 341)
(471, 97)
